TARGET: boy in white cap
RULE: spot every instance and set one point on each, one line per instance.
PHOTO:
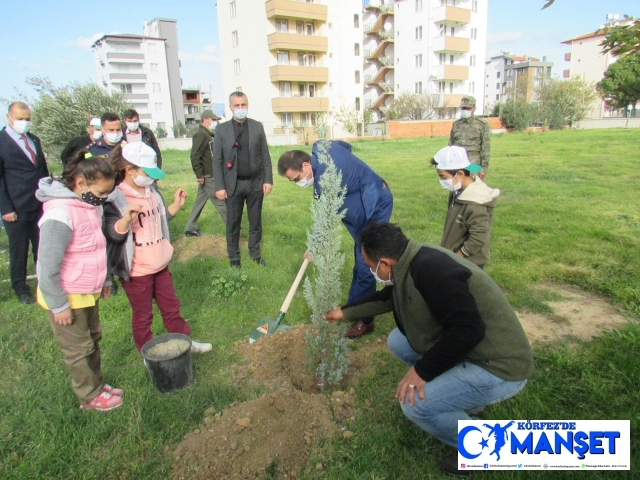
(76, 143)
(467, 226)
(139, 251)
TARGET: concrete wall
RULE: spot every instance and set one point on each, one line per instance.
(427, 128)
(185, 143)
(610, 122)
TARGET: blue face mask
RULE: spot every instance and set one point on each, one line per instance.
(240, 113)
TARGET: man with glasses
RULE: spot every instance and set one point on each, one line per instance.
(473, 134)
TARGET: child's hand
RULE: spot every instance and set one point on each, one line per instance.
(179, 197)
(63, 318)
(131, 212)
(106, 291)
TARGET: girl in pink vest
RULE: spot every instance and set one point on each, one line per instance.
(72, 272)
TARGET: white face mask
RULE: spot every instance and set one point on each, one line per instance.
(133, 126)
(213, 126)
(447, 184)
(304, 183)
(143, 181)
(386, 283)
(465, 114)
(21, 126)
(113, 137)
(240, 113)
(96, 135)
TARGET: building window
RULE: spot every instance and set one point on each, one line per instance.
(305, 59)
(232, 6)
(151, 48)
(283, 58)
(509, 84)
(356, 49)
(238, 89)
(357, 76)
(161, 125)
(304, 119)
(300, 28)
(154, 68)
(286, 119)
(498, 86)
(236, 66)
(453, 31)
(419, 33)
(285, 89)
(310, 29)
(474, 6)
(123, 68)
(443, 30)
(443, 58)
(418, 87)
(159, 107)
(156, 88)
(418, 4)
(357, 104)
(509, 73)
(356, 21)
(451, 57)
(441, 87)
(497, 74)
(126, 88)
(474, 34)
(451, 87)
(418, 61)
(234, 38)
(312, 89)
(497, 96)
(121, 48)
(282, 25)
(302, 89)
(472, 87)
(472, 61)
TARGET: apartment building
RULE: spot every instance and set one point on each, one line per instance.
(299, 59)
(195, 102)
(514, 77)
(146, 69)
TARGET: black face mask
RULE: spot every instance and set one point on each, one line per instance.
(91, 199)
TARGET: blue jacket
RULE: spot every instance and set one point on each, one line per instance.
(365, 188)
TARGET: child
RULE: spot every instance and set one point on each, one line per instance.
(72, 272)
(137, 227)
(467, 227)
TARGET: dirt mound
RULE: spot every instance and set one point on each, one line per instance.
(271, 435)
(579, 315)
(187, 248)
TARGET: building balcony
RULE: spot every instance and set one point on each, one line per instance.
(451, 15)
(294, 41)
(299, 104)
(129, 77)
(295, 9)
(145, 116)
(377, 77)
(378, 5)
(567, 57)
(450, 72)
(450, 100)
(293, 73)
(115, 57)
(378, 51)
(137, 97)
(446, 43)
(566, 73)
(376, 103)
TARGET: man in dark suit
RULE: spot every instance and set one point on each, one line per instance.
(22, 165)
(242, 174)
(76, 143)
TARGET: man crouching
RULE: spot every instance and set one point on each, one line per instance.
(455, 329)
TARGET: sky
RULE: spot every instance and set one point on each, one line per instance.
(53, 39)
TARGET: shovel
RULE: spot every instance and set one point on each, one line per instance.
(266, 326)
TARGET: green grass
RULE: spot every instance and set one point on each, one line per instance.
(568, 214)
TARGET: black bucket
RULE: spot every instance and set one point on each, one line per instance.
(171, 372)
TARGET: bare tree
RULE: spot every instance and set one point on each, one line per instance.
(413, 106)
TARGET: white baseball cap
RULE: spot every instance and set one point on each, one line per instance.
(143, 156)
(95, 122)
(454, 158)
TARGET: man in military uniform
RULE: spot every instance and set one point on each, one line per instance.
(473, 134)
(111, 136)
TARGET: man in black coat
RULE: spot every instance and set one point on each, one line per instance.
(22, 165)
(83, 141)
(242, 174)
(134, 132)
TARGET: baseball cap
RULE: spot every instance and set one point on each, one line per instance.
(143, 156)
(95, 122)
(209, 114)
(454, 158)
(468, 101)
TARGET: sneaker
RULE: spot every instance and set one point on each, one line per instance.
(358, 329)
(235, 264)
(192, 233)
(112, 390)
(103, 403)
(26, 298)
(449, 465)
(259, 261)
(197, 347)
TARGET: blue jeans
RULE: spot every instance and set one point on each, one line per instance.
(447, 396)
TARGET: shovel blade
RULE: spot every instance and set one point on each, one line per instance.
(266, 326)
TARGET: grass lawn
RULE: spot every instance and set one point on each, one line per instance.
(568, 214)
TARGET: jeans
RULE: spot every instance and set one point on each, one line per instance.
(447, 396)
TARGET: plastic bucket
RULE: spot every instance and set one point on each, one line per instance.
(171, 370)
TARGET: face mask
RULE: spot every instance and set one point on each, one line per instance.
(113, 137)
(133, 126)
(91, 199)
(447, 184)
(465, 114)
(97, 135)
(21, 126)
(304, 183)
(240, 113)
(213, 126)
(141, 181)
(386, 283)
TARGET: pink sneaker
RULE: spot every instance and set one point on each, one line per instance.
(103, 403)
(112, 390)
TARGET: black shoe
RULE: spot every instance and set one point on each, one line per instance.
(194, 233)
(449, 465)
(26, 298)
(235, 264)
(259, 261)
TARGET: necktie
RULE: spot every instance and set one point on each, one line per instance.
(34, 158)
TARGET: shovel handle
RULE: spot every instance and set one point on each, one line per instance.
(294, 287)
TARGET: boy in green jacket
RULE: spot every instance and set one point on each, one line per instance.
(467, 226)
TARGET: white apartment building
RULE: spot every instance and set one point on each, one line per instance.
(142, 67)
(294, 59)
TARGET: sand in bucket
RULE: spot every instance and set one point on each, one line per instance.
(168, 360)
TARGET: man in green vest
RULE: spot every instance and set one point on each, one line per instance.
(455, 330)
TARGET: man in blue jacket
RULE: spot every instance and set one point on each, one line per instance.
(368, 199)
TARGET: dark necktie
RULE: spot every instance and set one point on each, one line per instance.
(34, 158)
